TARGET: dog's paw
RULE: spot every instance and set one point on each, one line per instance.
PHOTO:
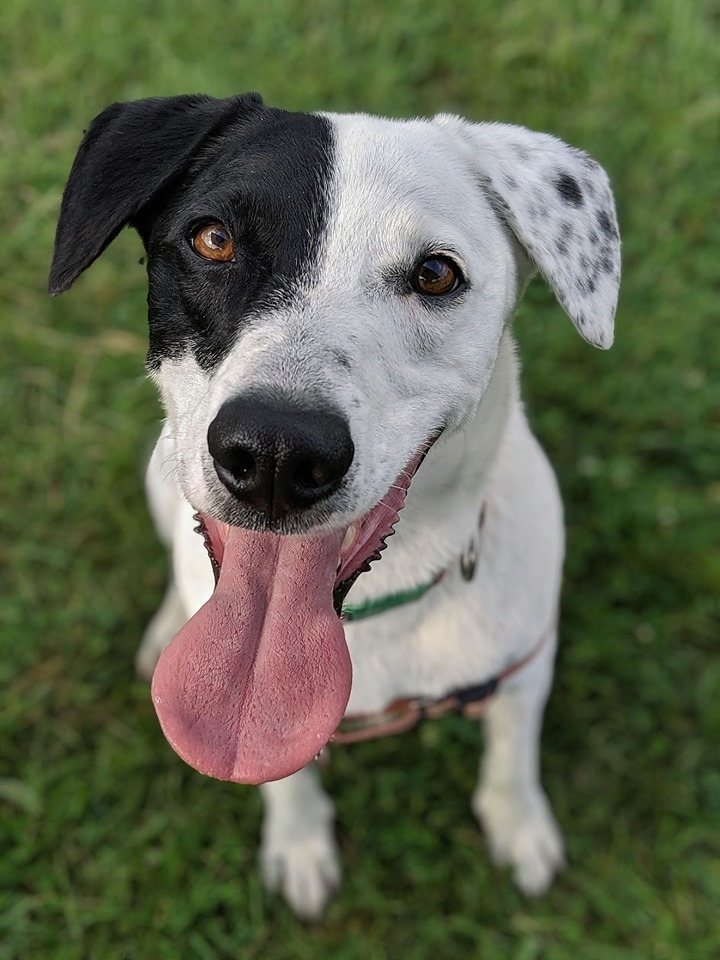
(306, 871)
(522, 832)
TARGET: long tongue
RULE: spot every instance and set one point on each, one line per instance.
(256, 683)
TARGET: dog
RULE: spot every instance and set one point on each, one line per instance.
(330, 300)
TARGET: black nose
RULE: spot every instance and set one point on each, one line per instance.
(276, 457)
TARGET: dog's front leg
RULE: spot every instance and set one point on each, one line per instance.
(170, 617)
(298, 853)
(509, 800)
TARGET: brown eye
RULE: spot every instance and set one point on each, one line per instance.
(213, 242)
(436, 276)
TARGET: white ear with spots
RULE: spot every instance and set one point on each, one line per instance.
(558, 203)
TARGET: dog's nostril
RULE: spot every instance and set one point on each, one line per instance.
(312, 474)
(244, 467)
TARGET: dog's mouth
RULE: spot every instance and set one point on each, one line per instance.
(256, 683)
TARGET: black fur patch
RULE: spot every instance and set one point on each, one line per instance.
(605, 223)
(169, 165)
(130, 152)
(342, 359)
(569, 189)
(268, 183)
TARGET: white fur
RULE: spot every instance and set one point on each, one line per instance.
(399, 187)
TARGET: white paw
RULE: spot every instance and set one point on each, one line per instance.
(306, 870)
(522, 832)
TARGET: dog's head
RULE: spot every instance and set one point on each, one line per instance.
(327, 295)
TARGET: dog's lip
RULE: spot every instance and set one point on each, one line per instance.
(364, 540)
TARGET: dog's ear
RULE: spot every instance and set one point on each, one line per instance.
(558, 203)
(129, 153)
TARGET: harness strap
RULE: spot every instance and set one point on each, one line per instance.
(403, 715)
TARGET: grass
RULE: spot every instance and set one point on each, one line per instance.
(111, 847)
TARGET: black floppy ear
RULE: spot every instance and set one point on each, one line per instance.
(130, 152)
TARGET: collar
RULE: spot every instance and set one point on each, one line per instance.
(402, 715)
(468, 563)
(359, 611)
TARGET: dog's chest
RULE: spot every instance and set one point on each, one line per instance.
(441, 642)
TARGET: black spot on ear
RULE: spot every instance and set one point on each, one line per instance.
(605, 223)
(583, 284)
(569, 189)
(342, 359)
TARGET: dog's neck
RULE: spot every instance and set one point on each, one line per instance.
(444, 502)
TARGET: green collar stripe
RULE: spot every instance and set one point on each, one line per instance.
(371, 607)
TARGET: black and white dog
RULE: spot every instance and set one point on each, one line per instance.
(330, 299)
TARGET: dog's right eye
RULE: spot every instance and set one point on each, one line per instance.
(436, 276)
(213, 242)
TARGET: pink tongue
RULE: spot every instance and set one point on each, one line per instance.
(256, 683)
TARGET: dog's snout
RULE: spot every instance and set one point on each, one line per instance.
(279, 458)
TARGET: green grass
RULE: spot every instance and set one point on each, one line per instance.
(111, 847)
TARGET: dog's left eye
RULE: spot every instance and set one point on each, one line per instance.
(436, 276)
(213, 242)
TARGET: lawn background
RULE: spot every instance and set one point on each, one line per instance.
(110, 847)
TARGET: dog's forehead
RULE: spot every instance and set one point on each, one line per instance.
(328, 210)
(399, 180)
(406, 163)
(370, 182)
(381, 150)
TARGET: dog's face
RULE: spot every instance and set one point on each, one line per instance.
(327, 295)
(361, 270)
